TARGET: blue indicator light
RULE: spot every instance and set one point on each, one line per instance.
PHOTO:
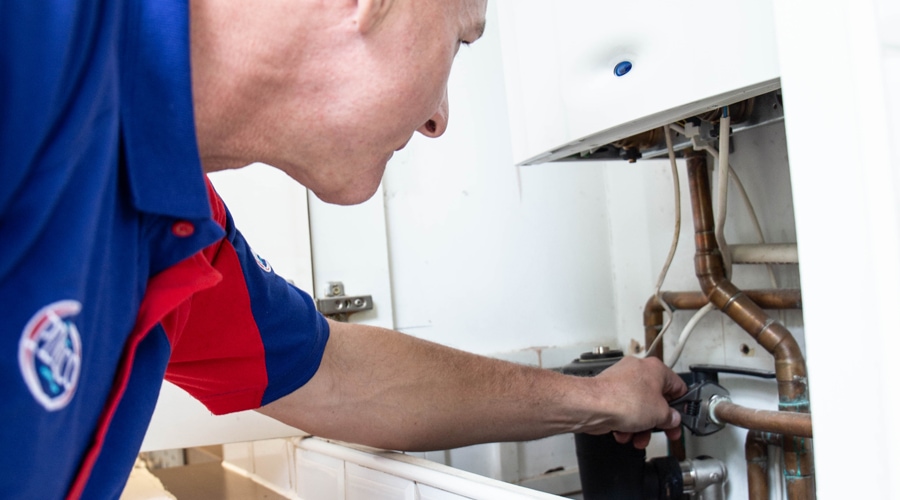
(623, 68)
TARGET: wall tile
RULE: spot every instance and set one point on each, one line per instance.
(240, 455)
(273, 462)
(429, 493)
(367, 484)
(319, 476)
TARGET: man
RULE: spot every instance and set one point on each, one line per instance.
(120, 265)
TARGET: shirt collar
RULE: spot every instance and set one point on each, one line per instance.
(160, 144)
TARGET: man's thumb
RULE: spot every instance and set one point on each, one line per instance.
(674, 419)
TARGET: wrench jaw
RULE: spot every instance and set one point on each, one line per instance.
(695, 409)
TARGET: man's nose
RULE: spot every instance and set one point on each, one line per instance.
(437, 124)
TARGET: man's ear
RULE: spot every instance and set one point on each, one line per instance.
(370, 13)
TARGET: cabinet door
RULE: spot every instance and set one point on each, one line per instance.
(349, 245)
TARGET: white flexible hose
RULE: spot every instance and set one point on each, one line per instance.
(677, 234)
(686, 333)
(753, 219)
(678, 129)
(722, 207)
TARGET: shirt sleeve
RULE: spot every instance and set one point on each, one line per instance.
(249, 340)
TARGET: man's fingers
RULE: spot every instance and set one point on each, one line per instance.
(674, 386)
(662, 384)
(641, 440)
(673, 434)
(622, 437)
(672, 427)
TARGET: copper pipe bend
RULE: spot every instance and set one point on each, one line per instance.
(790, 367)
(778, 299)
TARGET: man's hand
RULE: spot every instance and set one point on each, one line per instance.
(636, 393)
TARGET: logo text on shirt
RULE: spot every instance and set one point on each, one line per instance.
(50, 354)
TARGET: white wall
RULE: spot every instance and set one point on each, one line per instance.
(495, 259)
(840, 61)
(485, 256)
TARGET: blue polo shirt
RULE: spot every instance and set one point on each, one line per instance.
(119, 264)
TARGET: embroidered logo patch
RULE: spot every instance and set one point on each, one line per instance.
(50, 354)
(263, 263)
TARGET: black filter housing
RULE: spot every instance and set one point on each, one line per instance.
(614, 471)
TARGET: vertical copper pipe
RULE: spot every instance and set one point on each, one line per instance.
(756, 451)
(653, 320)
(790, 367)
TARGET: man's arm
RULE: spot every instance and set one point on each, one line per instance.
(393, 391)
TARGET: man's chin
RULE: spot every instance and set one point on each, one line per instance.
(345, 197)
(359, 191)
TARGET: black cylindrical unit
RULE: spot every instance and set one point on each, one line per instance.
(613, 471)
(609, 470)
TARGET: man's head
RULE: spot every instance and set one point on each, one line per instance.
(325, 90)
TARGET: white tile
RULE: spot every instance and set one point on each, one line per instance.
(441, 456)
(319, 476)
(273, 462)
(428, 493)
(239, 455)
(367, 484)
(481, 459)
(539, 456)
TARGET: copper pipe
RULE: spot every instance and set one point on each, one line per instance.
(653, 309)
(782, 422)
(653, 321)
(790, 367)
(756, 451)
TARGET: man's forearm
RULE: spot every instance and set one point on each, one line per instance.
(389, 390)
